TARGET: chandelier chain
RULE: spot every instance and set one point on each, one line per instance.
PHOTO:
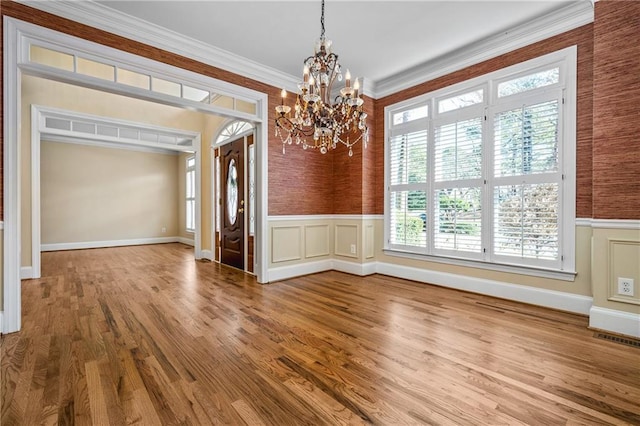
(322, 21)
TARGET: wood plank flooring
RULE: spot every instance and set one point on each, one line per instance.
(147, 335)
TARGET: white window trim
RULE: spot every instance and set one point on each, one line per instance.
(567, 60)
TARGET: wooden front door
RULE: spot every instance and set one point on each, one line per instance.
(233, 205)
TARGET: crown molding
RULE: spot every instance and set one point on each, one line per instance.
(104, 18)
(575, 14)
(570, 17)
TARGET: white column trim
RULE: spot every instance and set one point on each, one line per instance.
(11, 168)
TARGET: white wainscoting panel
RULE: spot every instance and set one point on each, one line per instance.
(346, 237)
(316, 241)
(286, 244)
(369, 241)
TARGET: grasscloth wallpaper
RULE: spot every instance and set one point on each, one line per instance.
(616, 110)
(608, 150)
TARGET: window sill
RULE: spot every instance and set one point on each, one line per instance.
(499, 267)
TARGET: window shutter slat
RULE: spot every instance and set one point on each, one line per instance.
(526, 221)
(407, 218)
(526, 140)
(458, 150)
(458, 219)
(408, 158)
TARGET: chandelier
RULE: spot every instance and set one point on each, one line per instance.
(317, 121)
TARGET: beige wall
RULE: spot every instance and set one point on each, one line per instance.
(91, 193)
(581, 285)
(39, 91)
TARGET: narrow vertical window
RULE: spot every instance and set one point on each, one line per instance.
(190, 194)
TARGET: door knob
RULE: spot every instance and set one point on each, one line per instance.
(240, 210)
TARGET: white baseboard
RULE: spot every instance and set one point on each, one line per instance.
(207, 254)
(187, 241)
(536, 296)
(533, 295)
(615, 321)
(285, 272)
(26, 272)
(1, 323)
(360, 269)
(111, 243)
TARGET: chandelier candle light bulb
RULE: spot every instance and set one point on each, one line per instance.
(318, 121)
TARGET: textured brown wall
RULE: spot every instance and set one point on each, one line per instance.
(352, 179)
(616, 110)
(294, 187)
(300, 180)
(583, 38)
(370, 175)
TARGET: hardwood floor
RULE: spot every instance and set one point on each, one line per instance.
(147, 335)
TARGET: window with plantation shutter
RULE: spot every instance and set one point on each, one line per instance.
(484, 171)
(457, 181)
(527, 180)
(408, 176)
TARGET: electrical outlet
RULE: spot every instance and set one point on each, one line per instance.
(625, 286)
(353, 249)
(164, 229)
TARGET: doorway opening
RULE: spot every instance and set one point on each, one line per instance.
(113, 183)
(31, 50)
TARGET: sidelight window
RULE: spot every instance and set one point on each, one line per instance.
(190, 194)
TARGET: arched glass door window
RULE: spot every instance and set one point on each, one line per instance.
(233, 129)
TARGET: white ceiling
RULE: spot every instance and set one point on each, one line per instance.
(374, 39)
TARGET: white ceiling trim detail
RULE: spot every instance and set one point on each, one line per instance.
(96, 15)
(104, 18)
(557, 22)
(59, 125)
